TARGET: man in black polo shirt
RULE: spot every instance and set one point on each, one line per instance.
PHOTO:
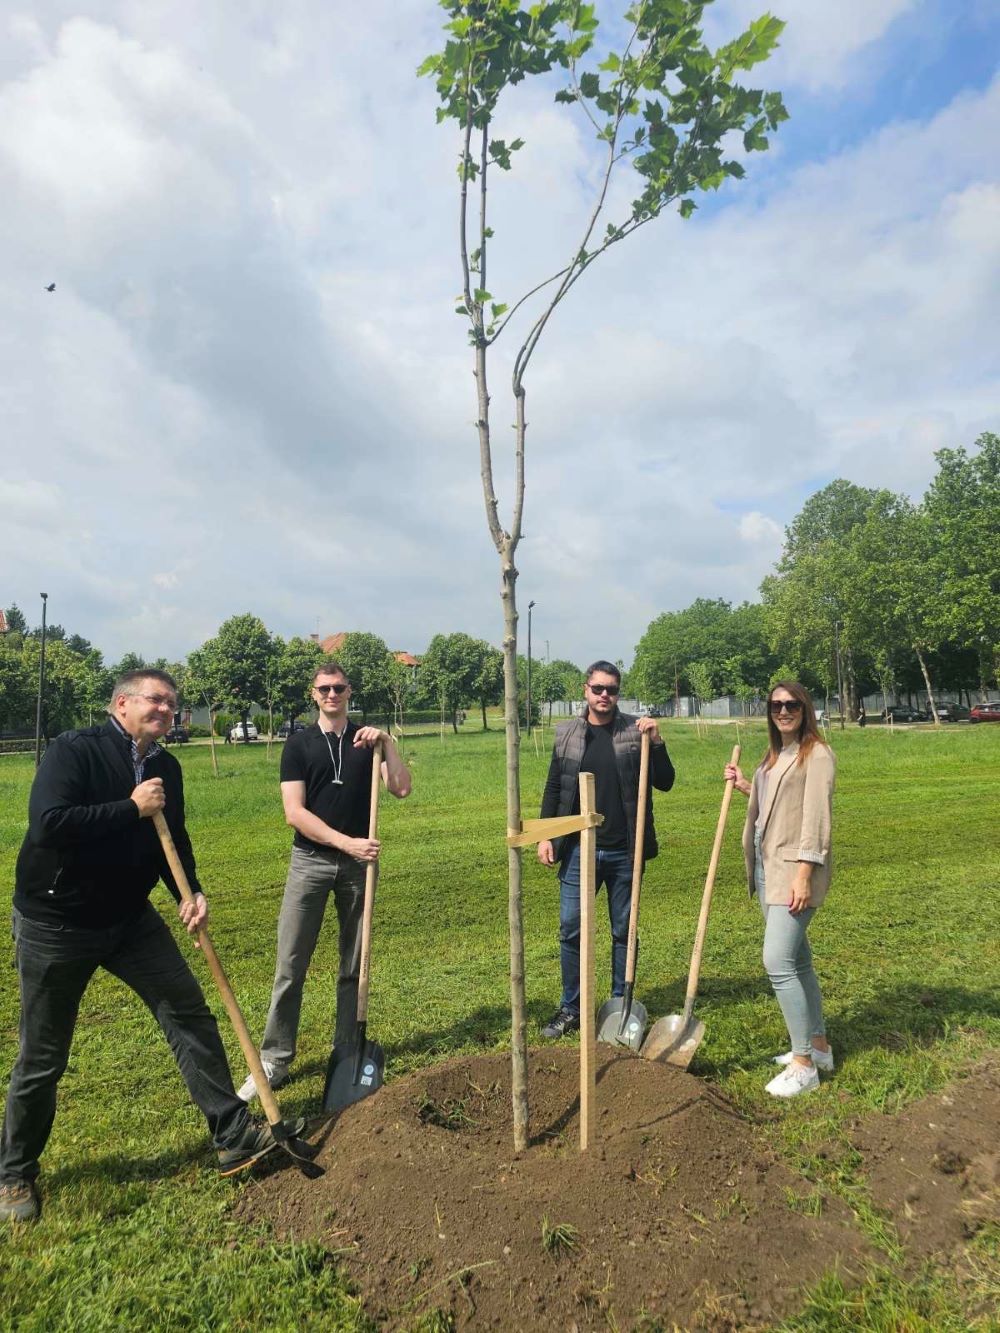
(88, 863)
(607, 743)
(326, 775)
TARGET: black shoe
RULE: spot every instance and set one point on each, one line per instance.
(19, 1201)
(257, 1142)
(561, 1022)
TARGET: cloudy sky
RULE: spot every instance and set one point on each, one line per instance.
(249, 391)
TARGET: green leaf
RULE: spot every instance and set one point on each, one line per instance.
(496, 310)
(687, 207)
(480, 296)
(590, 85)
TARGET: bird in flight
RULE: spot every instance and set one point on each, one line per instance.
(51, 287)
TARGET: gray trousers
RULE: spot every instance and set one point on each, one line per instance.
(312, 876)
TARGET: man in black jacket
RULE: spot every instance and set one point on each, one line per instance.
(607, 743)
(89, 861)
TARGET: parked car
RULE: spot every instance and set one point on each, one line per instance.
(952, 712)
(287, 728)
(177, 735)
(902, 713)
(237, 733)
(985, 713)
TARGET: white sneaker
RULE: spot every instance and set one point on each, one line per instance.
(792, 1080)
(821, 1059)
(277, 1074)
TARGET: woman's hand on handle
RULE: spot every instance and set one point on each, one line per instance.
(734, 774)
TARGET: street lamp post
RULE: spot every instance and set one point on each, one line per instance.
(41, 688)
(528, 719)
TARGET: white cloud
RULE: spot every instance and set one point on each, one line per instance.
(249, 392)
(821, 39)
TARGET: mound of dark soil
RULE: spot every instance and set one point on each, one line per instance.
(680, 1212)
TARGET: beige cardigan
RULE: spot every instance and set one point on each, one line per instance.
(795, 825)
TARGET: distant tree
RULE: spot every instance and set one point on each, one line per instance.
(963, 506)
(242, 651)
(129, 662)
(294, 666)
(16, 622)
(456, 663)
(366, 659)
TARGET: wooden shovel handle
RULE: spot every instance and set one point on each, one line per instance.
(370, 873)
(637, 860)
(247, 1044)
(706, 897)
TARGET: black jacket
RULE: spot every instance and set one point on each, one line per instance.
(88, 858)
(562, 791)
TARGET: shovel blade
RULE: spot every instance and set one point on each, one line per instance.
(342, 1088)
(609, 1022)
(672, 1041)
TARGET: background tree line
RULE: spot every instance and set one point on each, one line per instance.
(910, 593)
(244, 668)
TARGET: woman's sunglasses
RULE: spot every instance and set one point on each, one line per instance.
(786, 706)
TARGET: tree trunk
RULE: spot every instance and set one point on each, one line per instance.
(211, 739)
(454, 720)
(927, 683)
(518, 1007)
(482, 705)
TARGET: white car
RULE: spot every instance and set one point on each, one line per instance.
(237, 734)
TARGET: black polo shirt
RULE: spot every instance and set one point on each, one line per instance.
(317, 758)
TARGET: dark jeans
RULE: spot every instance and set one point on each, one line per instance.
(614, 869)
(55, 964)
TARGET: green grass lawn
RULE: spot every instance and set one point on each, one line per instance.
(137, 1228)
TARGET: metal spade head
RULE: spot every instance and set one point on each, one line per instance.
(609, 1023)
(349, 1079)
(673, 1041)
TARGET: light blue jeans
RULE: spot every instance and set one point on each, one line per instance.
(788, 963)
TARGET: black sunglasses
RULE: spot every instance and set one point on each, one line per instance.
(604, 689)
(324, 690)
(786, 706)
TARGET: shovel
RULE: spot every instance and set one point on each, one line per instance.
(674, 1039)
(357, 1068)
(284, 1133)
(620, 1020)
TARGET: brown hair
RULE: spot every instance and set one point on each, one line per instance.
(330, 668)
(808, 729)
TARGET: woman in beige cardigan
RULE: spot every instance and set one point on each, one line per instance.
(786, 843)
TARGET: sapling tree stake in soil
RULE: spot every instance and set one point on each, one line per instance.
(664, 103)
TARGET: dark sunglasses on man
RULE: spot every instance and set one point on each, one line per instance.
(604, 689)
(324, 690)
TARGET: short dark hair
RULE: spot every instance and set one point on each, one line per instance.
(331, 667)
(607, 668)
(129, 679)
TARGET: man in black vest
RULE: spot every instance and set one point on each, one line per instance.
(89, 861)
(607, 743)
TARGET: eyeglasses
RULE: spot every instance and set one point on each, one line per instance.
(785, 706)
(157, 700)
(324, 690)
(604, 689)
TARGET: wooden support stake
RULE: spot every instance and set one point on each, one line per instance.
(588, 891)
